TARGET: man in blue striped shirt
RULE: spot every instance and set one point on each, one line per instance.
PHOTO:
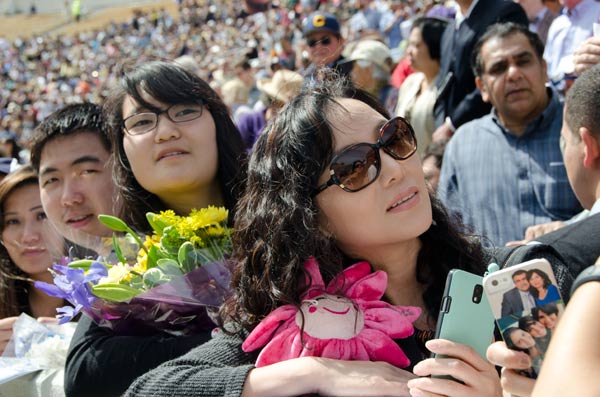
(504, 172)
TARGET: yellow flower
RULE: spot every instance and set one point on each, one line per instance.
(141, 264)
(116, 274)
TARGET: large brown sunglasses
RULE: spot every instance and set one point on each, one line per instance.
(357, 166)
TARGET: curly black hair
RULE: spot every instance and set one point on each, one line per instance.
(277, 225)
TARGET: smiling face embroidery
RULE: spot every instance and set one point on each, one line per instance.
(329, 316)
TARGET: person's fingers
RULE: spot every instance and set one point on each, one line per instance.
(7, 323)
(3, 346)
(589, 46)
(516, 243)
(46, 320)
(580, 67)
(516, 384)
(458, 350)
(428, 387)
(498, 354)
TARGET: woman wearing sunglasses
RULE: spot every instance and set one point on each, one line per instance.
(333, 177)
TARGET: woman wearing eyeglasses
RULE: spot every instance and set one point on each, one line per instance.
(333, 177)
(175, 143)
(176, 148)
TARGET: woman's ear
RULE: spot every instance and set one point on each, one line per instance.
(591, 148)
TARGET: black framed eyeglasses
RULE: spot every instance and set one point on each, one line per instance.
(141, 123)
(325, 41)
(357, 166)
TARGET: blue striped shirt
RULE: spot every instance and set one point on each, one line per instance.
(500, 184)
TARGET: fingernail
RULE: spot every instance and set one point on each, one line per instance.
(434, 344)
(524, 361)
(416, 392)
(416, 371)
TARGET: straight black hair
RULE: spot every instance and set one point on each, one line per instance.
(171, 84)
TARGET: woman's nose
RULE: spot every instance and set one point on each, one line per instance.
(165, 129)
(392, 170)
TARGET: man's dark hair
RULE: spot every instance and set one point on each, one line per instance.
(583, 103)
(526, 323)
(517, 273)
(548, 308)
(71, 119)
(501, 31)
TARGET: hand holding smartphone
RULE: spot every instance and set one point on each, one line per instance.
(527, 305)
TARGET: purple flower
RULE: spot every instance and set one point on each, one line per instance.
(66, 313)
(73, 285)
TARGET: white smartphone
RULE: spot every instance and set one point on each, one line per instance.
(527, 305)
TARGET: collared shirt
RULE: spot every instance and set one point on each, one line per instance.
(534, 23)
(527, 299)
(566, 33)
(501, 183)
(460, 18)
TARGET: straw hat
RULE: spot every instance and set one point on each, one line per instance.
(282, 86)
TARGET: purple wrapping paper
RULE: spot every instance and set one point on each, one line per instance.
(182, 306)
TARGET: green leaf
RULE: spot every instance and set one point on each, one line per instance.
(81, 264)
(118, 225)
(117, 249)
(153, 257)
(171, 240)
(185, 256)
(154, 277)
(156, 223)
(170, 267)
(114, 223)
(115, 292)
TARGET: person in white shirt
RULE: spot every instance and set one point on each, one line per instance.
(566, 33)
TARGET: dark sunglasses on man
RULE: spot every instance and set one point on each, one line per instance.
(324, 41)
(359, 165)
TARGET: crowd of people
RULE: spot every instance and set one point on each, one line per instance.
(416, 136)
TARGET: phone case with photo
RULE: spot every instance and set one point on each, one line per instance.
(526, 304)
(465, 315)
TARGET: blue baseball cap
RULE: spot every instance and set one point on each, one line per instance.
(319, 22)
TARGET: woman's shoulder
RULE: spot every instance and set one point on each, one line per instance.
(413, 81)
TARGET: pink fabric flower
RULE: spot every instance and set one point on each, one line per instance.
(344, 320)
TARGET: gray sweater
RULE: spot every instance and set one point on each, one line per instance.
(216, 368)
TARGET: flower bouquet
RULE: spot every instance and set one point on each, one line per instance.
(178, 277)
